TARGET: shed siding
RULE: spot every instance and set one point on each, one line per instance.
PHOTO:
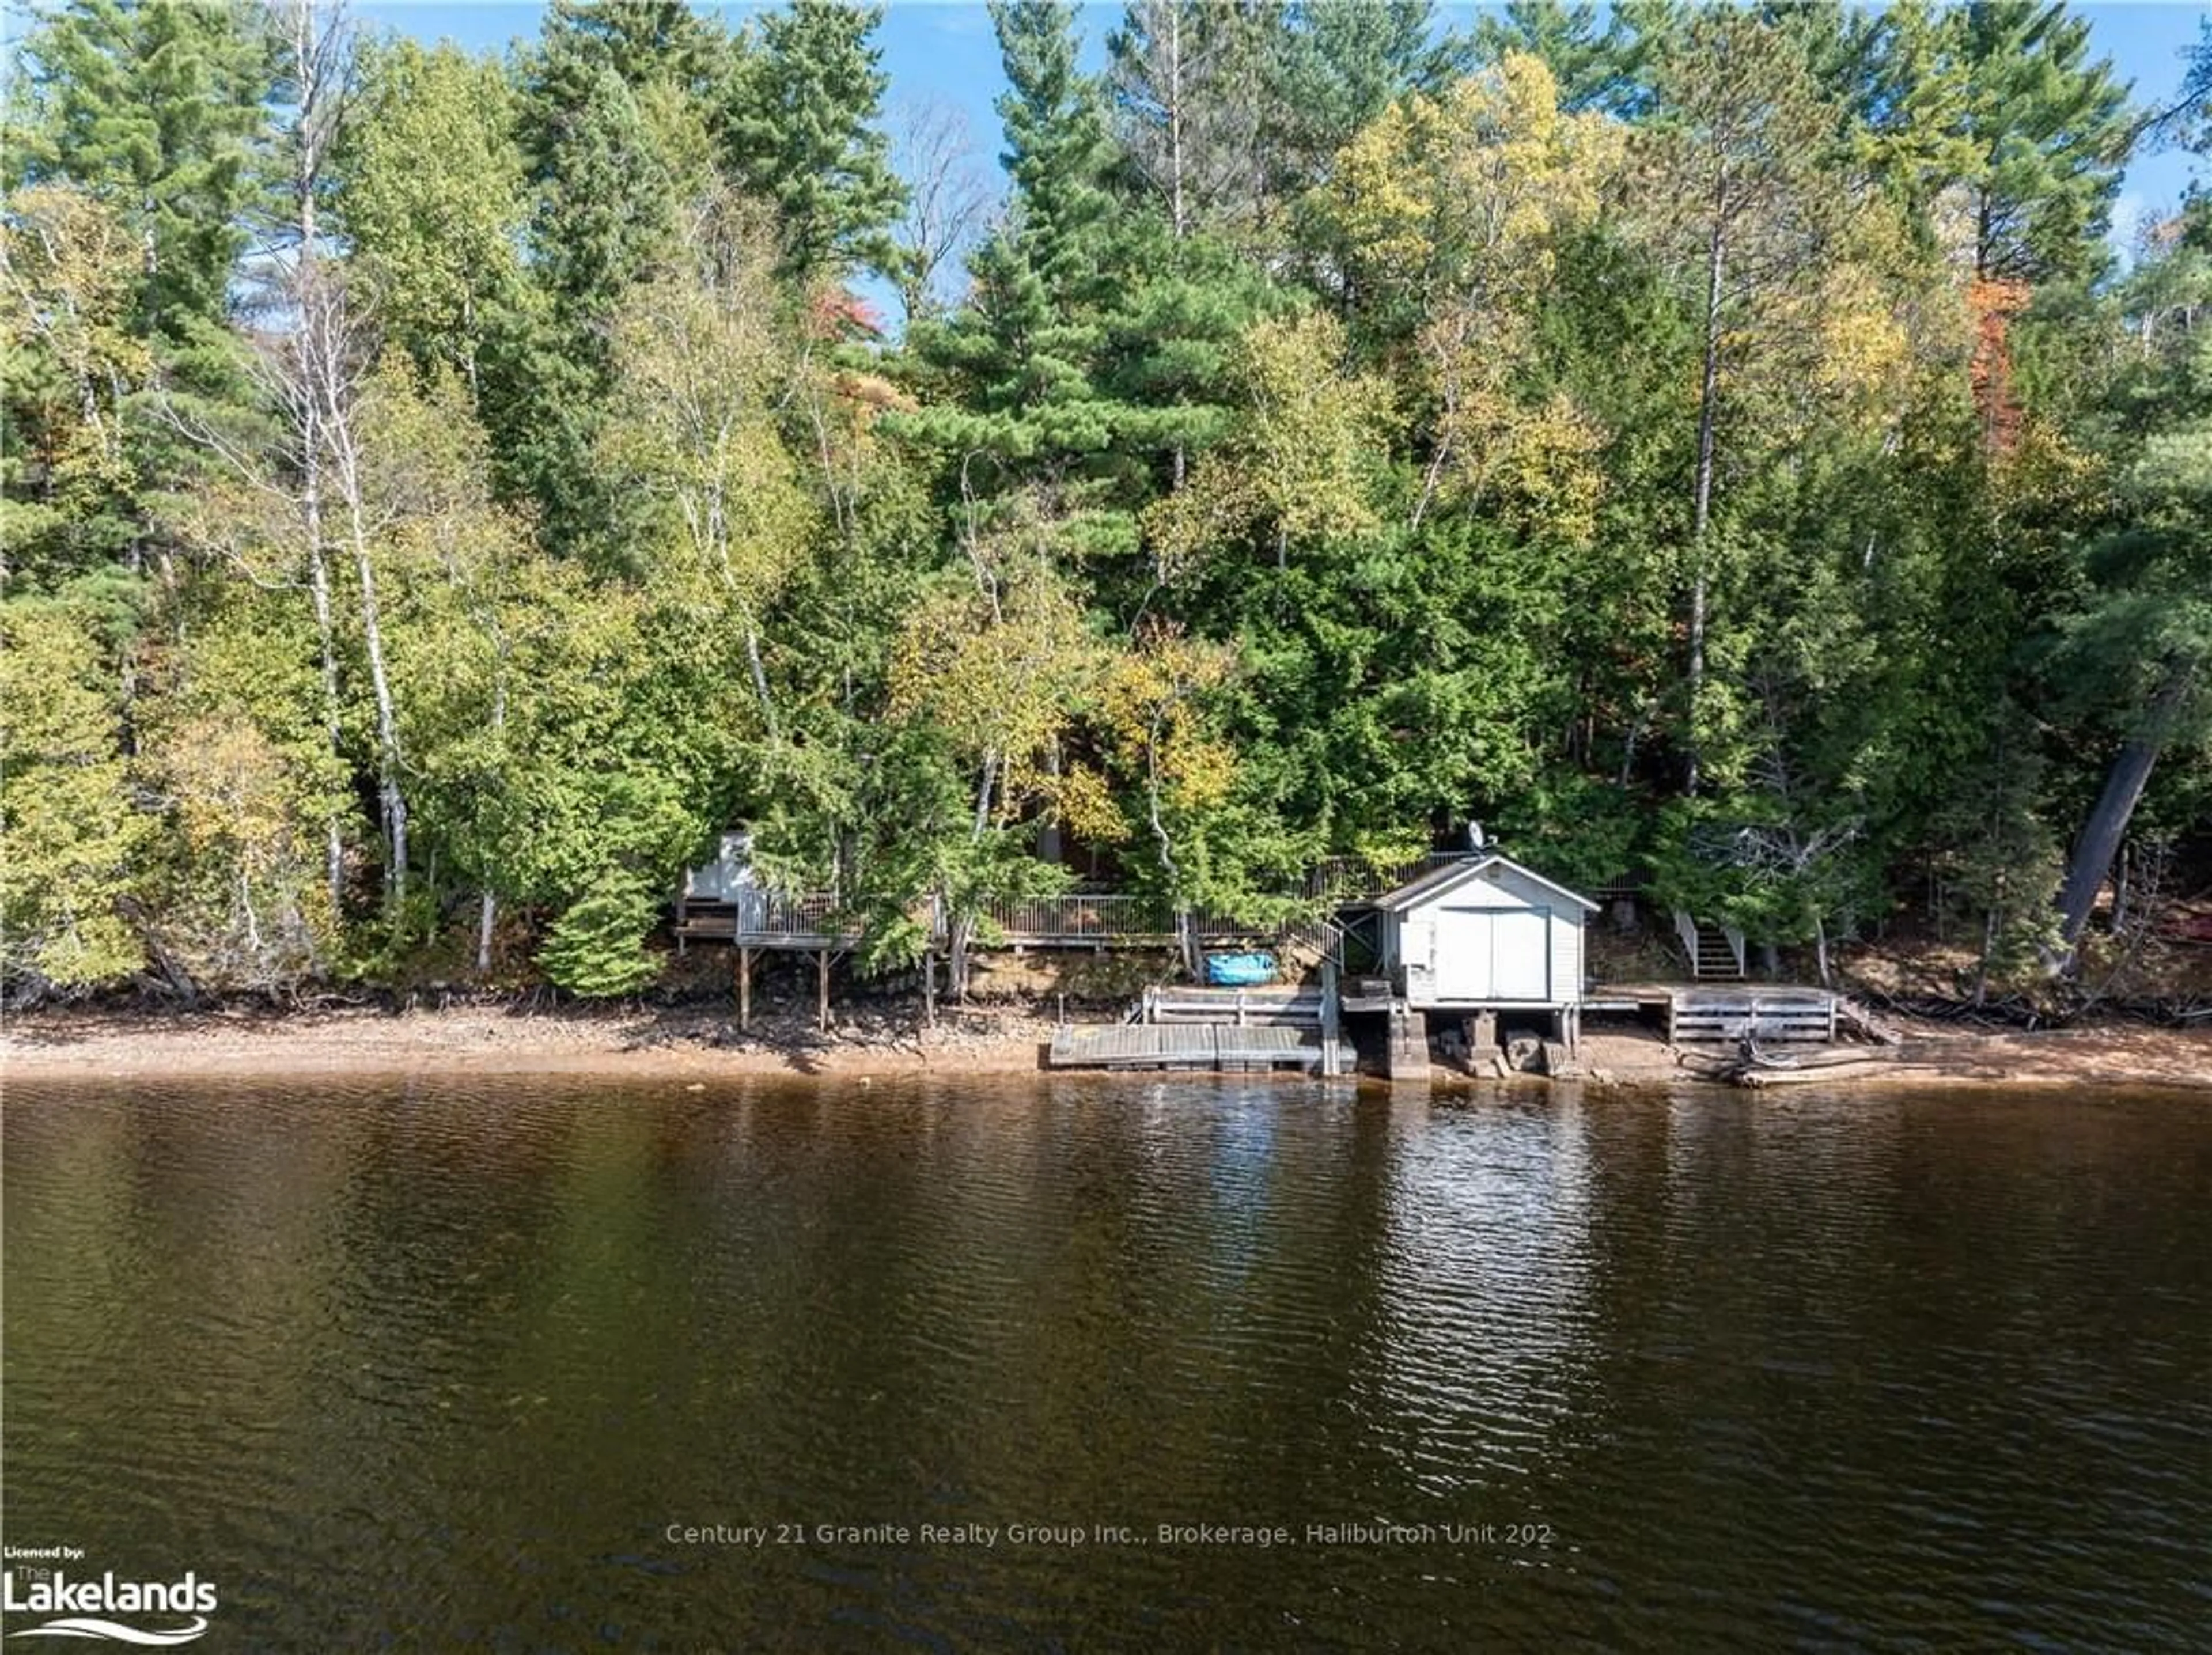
(1567, 954)
(1448, 945)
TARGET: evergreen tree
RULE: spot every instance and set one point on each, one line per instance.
(2140, 650)
(1334, 65)
(155, 111)
(1185, 87)
(2049, 131)
(801, 133)
(1024, 352)
(1594, 68)
(434, 201)
(1735, 184)
(604, 98)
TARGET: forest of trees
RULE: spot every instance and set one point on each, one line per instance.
(1715, 448)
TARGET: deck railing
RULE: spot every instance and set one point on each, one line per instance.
(1353, 879)
(1080, 916)
(753, 913)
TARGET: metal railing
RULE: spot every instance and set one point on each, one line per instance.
(1079, 916)
(776, 914)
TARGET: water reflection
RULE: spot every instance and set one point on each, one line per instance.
(435, 1364)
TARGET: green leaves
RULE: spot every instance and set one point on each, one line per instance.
(1332, 446)
(77, 843)
(594, 949)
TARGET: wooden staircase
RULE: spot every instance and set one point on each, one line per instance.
(1715, 952)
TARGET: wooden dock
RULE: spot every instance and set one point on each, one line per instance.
(1224, 1047)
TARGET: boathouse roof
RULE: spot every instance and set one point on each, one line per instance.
(1439, 880)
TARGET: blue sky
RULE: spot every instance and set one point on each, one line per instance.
(943, 50)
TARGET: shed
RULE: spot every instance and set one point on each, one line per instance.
(730, 873)
(1484, 933)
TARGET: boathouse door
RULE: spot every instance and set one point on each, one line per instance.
(1495, 953)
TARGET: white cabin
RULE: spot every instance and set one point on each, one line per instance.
(1484, 933)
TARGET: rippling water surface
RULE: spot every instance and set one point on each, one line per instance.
(437, 1364)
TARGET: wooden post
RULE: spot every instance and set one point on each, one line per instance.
(1330, 1019)
(822, 992)
(745, 989)
(929, 987)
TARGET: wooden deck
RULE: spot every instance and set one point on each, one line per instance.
(1256, 1048)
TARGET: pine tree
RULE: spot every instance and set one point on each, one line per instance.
(607, 95)
(155, 111)
(1024, 352)
(1331, 66)
(800, 132)
(1595, 68)
(1185, 88)
(2050, 132)
(1735, 182)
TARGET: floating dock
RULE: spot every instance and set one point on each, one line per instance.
(1224, 1047)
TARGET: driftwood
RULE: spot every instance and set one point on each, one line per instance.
(1850, 1014)
(1749, 1065)
(1857, 1068)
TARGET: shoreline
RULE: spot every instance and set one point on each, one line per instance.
(699, 1042)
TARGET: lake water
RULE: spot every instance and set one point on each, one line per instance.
(466, 1363)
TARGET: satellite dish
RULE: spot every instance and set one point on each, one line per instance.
(1475, 837)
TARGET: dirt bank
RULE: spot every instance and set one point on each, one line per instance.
(703, 1041)
(681, 1040)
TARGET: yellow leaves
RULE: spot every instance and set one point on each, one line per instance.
(1466, 196)
(251, 852)
(75, 844)
(1151, 717)
(997, 674)
(1083, 798)
(1538, 461)
(1451, 211)
(702, 359)
(231, 788)
(1861, 353)
(1543, 462)
(69, 270)
(1296, 467)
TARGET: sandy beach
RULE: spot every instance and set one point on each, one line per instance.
(702, 1041)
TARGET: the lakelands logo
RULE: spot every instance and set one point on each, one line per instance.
(38, 1581)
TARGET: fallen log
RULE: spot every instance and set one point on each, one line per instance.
(1860, 1070)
